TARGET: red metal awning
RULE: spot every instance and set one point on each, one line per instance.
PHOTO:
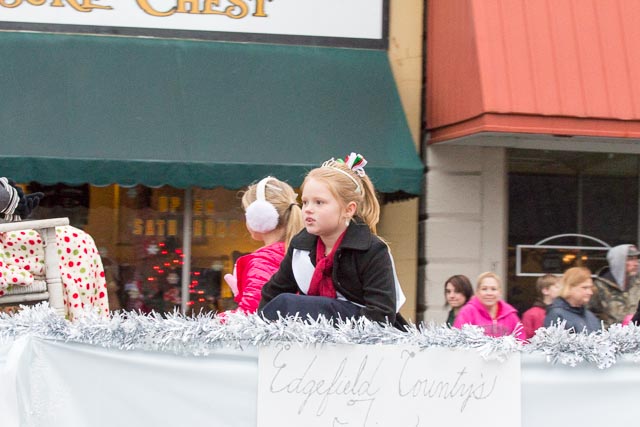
(554, 67)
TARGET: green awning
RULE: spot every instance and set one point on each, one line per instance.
(102, 110)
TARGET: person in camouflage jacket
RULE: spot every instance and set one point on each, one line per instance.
(617, 286)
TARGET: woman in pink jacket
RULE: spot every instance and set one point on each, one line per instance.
(487, 309)
(272, 217)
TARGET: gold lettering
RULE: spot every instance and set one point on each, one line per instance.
(86, 5)
(175, 204)
(260, 9)
(149, 229)
(16, 3)
(146, 7)
(207, 8)
(137, 227)
(182, 6)
(237, 9)
(197, 207)
(163, 204)
(237, 3)
(160, 223)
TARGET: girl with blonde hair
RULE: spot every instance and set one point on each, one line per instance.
(336, 266)
(273, 217)
(488, 310)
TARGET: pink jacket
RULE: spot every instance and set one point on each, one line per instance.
(253, 271)
(474, 313)
(533, 319)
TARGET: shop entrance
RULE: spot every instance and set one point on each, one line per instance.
(555, 193)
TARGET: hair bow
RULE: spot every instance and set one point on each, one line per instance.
(356, 162)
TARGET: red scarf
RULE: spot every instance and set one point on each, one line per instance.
(321, 281)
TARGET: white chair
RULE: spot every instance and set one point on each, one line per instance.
(49, 287)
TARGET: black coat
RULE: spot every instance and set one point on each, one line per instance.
(362, 272)
(578, 318)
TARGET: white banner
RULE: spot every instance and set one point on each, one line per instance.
(362, 19)
(56, 384)
(360, 385)
(45, 383)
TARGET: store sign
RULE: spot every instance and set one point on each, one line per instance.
(359, 19)
(166, 220)
(360, 385)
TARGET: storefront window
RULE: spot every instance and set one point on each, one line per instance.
(140, 234)
(553, 193)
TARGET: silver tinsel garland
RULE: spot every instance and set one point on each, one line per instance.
(201, 334)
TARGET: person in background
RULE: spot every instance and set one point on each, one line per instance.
(457, 291)
(633, 318)
(617, 285)
(22, 256)
(336, 267)
(571, 304)
(14, 204)
(547, 288)
(488, 310)
(273, 217)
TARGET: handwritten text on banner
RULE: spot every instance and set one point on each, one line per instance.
(359, 385)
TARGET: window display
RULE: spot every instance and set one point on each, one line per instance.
(140, 234)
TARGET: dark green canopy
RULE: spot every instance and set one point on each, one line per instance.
(103, 109)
